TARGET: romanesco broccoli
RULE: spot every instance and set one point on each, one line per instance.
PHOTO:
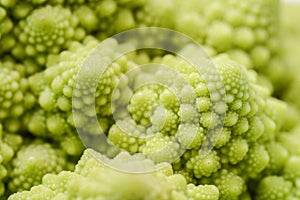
(89, 176)
(229, 131)
(32, 162)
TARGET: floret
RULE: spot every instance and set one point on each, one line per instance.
(291, 169)
(7, 41)
(204, 165)
(230, 185)
(207, 192)
(11, 95)
(142, 103)
(246, 31)
(278, 157)
(54, 118)
(254, 162)
(161, 149)
(290, 37)
(180, 127)
(231, 26)
(126, 135)
(15, 99)
(234, 151)
(273, 187)
(289, 140)
(90, 175)
(248, 126)
(190, 136)
(107, 17)
(9, 144)
(46, 30)
(32, 162)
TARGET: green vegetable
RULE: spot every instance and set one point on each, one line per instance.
(9, 144)
(229, 131)
(290, 17)
(32, 162)
(90, 175)
(15, 98)
(46, 30)
(272, 187)
(245, 30)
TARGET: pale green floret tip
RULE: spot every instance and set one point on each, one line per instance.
(273, 187)
(161, 149)
(107, 7)
(191, 23)
(255, 161)
(278, 157)
(37, 123)
(229, 185)
(164, 121)
(256, 129)
(234, 151)
(7, 153)
(15, 97)
(231, 119)
(11, 92)
(87, 18)
(220, 36)
(260, 56)
(244, 38)
(204, 165)
(289, 140)
(90, 175)
(241, 127)
(276, 109)
(202, 192)
(209, 119)
(222, 137)
(241, 57)
(46, 30)
(179, 183)
(190, 136)
(291, 168)
(71, 144)
(56, 124)
(188, 113)
(40, 192)
(32, 163)
(126, 135)
(203, 104)
(124, 20)
(142, 104)
(169, 101)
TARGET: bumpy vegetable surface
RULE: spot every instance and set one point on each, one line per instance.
(165, 129)
(90, 175)
(32, 162)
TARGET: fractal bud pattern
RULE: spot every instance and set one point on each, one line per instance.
(137, 99)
